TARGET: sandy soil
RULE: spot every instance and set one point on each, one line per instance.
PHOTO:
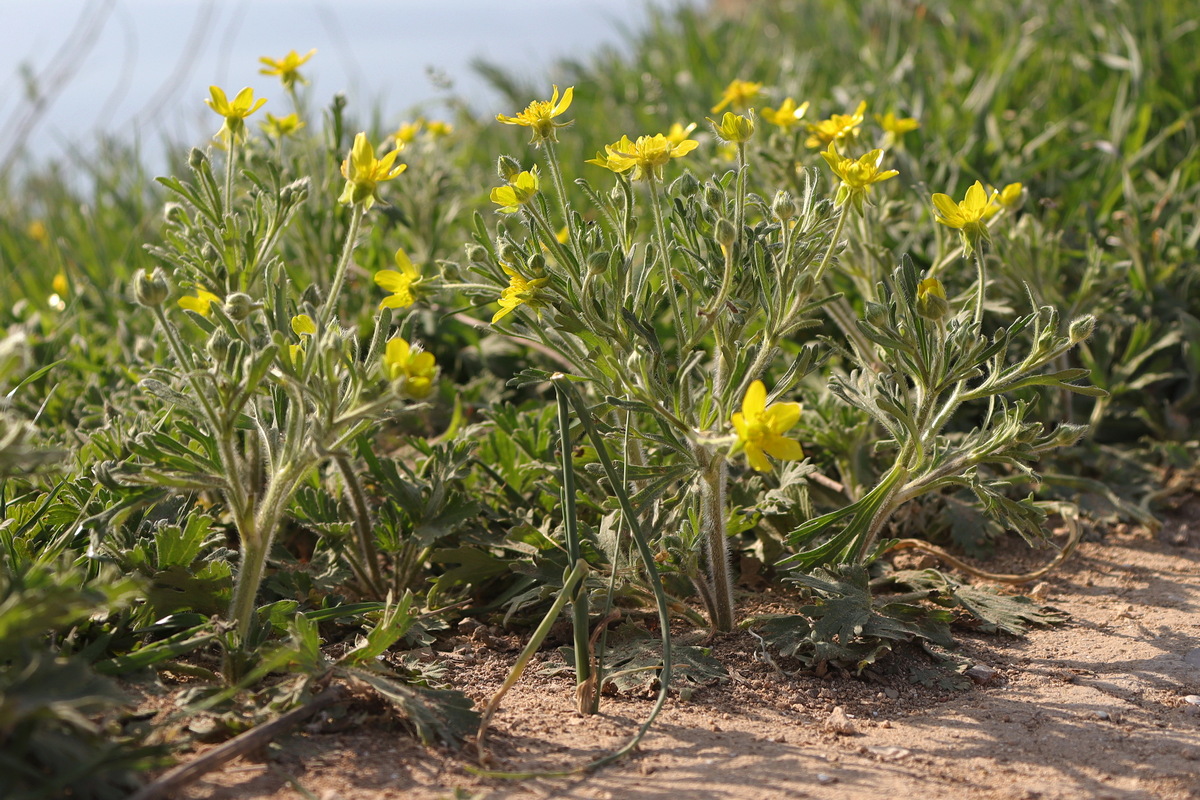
(1102, 707)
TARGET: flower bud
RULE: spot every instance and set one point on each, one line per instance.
(196, 158)
(931, 299)
(295, 192)
(1081, 328)
(218, 345)
(724, 233)
(685, 185)
(536, 265)
(174, 213)
(507, 168)
(783, 206)
(238, 306)
(876, 313)
(807, 285)
(714, 196)
(208, 252)
(734, 128)
(508, 252)
(150, 290)
(597, 263)
(477, 253)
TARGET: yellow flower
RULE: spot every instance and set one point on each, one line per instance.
(857, 175)
(519, 191)
(438, 128)
(200, 303)
(400, 284)
(760, 429)
(235, 113)
(520, 290)
(415, 369)
(37, 231)
(788, 115)
(739, 94)
(363, 173)
(280, 127)
(408, 131)
(970, 216)
(539, 116)
(645, 157)
(286, 68)
(679, 133)
(896, 126)
(734, 128)
(837, 128)
(1011, 196)
(60, 285)
(302, 325)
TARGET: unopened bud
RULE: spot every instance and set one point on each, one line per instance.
(536, 265)
(238, 306)
(208, 252)
(1081, 328)
(685, 185)
(931, 299)
(196, 158)
(597, 263)
(295, 192)
(725, 233)
(783, 206)
(174, 213)
(877, 314)
(476, 253)
(150, 290)
(714, 196)
(218, 345)
(507, 168)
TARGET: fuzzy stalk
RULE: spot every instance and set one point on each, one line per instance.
(716, 541)
(579, 598)
(339, 274)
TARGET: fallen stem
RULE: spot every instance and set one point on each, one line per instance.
(172, 781)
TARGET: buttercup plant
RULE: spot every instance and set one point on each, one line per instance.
(679, 335)
(266, 383)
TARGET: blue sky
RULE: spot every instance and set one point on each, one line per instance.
(143, 67)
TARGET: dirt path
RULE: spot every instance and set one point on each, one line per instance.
(1095, 709)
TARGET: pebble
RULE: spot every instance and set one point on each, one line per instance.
(892, 694)
(825, 778)
(1193, 699)
(981, 673)
(891, 752)
(839, 723)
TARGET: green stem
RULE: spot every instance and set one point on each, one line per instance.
(579, 601)
(574, 578)
(560, 188)
(837, 235)
(257, 547)
(339, 274)
(664, 255)
(716, 542)
(362, 524)
(230, 159)
(981, 277)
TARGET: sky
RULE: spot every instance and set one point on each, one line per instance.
(70, 69)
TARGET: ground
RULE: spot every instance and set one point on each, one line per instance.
(1102, 707)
